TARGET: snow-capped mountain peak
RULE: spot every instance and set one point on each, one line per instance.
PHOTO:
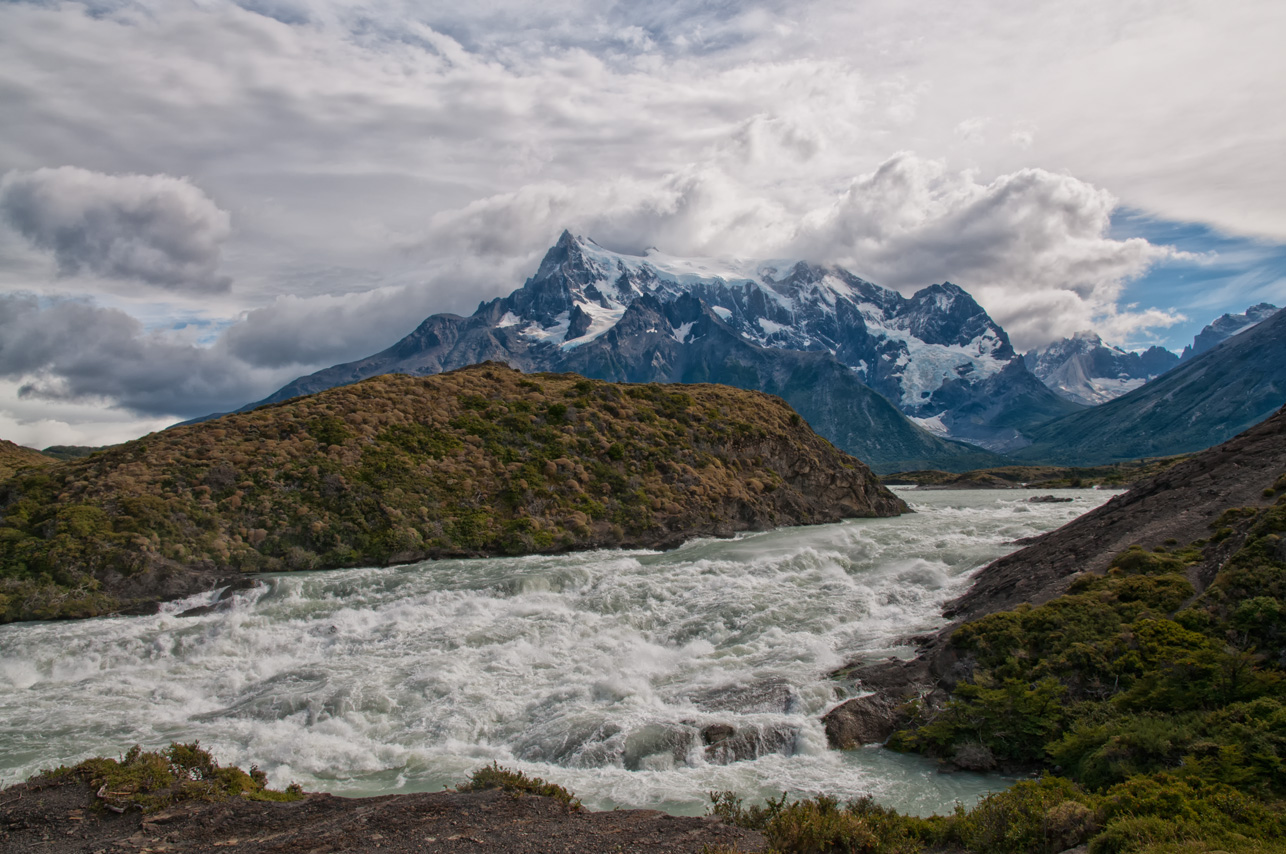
(1225, 326)
(1085, 370)
(908, 348)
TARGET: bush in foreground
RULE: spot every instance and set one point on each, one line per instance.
(152, 781)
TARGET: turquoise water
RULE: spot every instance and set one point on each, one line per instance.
(596, 670)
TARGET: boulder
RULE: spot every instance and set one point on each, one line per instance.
(863, 720)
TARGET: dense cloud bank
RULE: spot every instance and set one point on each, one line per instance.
(312, 178)
(152, 228)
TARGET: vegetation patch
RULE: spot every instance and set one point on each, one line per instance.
(14, 458)
(151, 781)
(494, 776)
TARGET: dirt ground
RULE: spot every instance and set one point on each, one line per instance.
(60, 818)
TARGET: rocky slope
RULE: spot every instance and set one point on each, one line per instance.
(937, 356)
(479, 461)
(1181, 504)
(1204, 401)
(14, 457)
(1209, 516)
(1084, 370)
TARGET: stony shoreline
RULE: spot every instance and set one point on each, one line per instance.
(59, 816)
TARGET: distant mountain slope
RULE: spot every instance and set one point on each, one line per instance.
(1224, 327)
(14, 457)
(1203, 402)
(1084, 370)
(479, 461)
(936, 356)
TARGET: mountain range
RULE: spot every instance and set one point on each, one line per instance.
(926, 381)
(1085, 370)
(1226, 326)
(1206, 400)
(896, 381)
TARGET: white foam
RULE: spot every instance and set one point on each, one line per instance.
(587, 669)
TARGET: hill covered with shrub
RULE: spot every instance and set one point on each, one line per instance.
(14, 457)
(480, 461)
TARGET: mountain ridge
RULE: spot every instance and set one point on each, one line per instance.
(1085, 370)
(936, 356)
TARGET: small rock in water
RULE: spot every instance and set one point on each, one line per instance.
(752, 742)
(715, 733)
(974, 757)
(1047, 499)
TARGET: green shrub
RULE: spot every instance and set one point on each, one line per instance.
(821, 825)
(1134, 833)
(1046, 816)
(493, 776)
(150, 780)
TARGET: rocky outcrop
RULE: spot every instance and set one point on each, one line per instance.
(1181, 504)
(57, 816)
(863, 720)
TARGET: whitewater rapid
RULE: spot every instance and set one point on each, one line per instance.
(600, 670)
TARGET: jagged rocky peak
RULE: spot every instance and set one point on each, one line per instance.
(1225, 326)
(936, 355)
(1084, 370)
(904, 347)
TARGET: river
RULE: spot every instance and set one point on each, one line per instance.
(598, 670)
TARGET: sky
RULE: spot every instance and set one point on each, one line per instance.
(200, 201)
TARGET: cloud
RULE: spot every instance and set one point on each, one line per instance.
(156, 229)
(75, 351)
(1033, 246)
(284, 334)
(390, 159)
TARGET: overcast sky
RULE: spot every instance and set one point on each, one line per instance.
(201, 201)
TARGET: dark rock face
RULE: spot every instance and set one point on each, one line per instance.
(853, 358)
(1207, 400)
(57, 817)
(863, 720)
(751, 742)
